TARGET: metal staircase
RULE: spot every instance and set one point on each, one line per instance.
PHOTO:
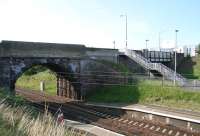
(164, 70)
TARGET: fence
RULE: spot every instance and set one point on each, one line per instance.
(123, 79)
(164, 70)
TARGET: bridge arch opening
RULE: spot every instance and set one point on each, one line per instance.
(32, 78)
(57, 80)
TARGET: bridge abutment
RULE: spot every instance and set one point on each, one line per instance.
(68, 89)
(16, 57)
(13, 67)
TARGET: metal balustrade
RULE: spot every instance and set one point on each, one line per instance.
(164, 70)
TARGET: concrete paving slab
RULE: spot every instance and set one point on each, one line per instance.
(98, 131)
(156, 110)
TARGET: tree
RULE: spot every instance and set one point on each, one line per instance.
(198, 49)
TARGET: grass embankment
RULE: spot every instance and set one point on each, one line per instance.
(17, 118)
(145, 92)
(190, 67)
(117, 67)
(32, 81)
(148, 93)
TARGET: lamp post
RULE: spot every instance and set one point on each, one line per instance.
(125, 15)
(114, 44)
(146, 43)
(176, 31)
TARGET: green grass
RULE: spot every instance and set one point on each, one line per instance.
(196, 67)
(12, 99)
(147, 92)
(7, 130)
(122, 94)
(21, 120)
(32, 81)
(6, 127)
(118, 67)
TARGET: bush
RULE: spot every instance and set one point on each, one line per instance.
(35, 70)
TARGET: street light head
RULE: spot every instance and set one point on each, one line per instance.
(176, 30)
(147, 40)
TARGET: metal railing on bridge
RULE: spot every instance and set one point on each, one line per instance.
(164, 70)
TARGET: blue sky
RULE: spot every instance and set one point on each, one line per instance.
(97, 23)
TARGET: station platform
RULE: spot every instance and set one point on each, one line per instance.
(90, 129)
(189, 116)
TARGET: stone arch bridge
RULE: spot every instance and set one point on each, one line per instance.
(16, 57)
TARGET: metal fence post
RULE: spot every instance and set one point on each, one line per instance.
(163, 80)
(194, 84)
(42, 86)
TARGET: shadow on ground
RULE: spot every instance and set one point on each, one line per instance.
(118, 93)
(186, 68)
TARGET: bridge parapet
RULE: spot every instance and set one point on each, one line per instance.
(37, 49)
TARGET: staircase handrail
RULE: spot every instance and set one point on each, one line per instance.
(154, 66)
(178, 76)
(141, 59)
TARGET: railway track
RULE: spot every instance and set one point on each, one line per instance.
(143, 126)
(117, 122)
